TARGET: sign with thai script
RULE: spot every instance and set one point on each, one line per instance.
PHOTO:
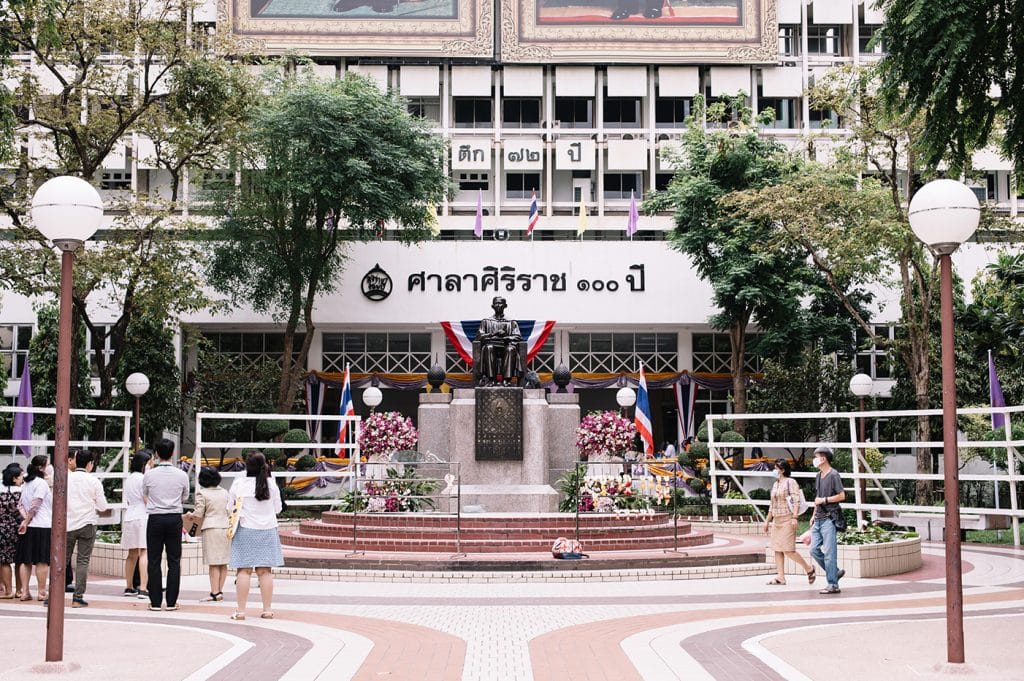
(578, 154)
(507, 278)
(524, 154)
(471, 153)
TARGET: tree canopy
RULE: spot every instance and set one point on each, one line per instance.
(327, 163)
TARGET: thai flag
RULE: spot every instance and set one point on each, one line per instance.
(534, 215)
(348, 408)
(642, 417)
(461, 335)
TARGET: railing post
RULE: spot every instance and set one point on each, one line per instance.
(1011, 469)
(855, 459)
(711, 467)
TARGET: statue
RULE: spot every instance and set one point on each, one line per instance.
(498, 348)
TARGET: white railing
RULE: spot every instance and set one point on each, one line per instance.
(350, 447)
(718, 467)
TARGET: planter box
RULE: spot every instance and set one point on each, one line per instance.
(742, 525)
(864, 560)
(108, 559)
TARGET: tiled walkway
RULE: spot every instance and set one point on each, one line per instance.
(646, 625)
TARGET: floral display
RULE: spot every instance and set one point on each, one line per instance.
(606, 494)
(604, 433)
(400, 491)
(386, 432)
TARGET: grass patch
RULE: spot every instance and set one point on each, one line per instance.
(990, 536)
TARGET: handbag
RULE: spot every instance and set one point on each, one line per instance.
(838, 519)
(795, 500)
(234, 517)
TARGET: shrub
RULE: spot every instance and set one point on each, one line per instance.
(266, 431)
(295, 436)
(306, 462)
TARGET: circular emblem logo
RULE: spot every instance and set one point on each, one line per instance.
(376, 284)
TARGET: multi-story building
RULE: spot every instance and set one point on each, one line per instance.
(546, 98)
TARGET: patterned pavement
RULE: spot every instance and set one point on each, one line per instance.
(620, 625)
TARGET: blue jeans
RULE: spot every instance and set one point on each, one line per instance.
(823, 548)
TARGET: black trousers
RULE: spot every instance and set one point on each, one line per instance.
(163, 533)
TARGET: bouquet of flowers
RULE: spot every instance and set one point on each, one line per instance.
(398, 491)
(386, 432)
(610, 493)
(604, 433)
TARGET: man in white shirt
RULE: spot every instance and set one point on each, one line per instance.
(166, 488)
(85, 502)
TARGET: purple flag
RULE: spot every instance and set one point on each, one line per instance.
(478, 226)
(22, 421)
(995, 394)
(634, 216)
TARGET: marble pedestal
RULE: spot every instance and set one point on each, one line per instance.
(447, 425)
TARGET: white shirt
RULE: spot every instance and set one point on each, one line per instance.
(256, 515)
(670, 451)
(135, 508)
(85, 498)
(38, 489)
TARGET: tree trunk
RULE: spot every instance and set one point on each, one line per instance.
(737, 360)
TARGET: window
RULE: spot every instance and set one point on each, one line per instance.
(824, 40)
(14, 340)
(252, 348)
(784, 108)
(116, 180)
(474, 182)
(391, 353)
(574, 112)
(520, 113)
(662, 180)
(622, 112)
(872, 359)
(866, 35)
(98, 340)
(712, 353)
(522, 185)
(425, 107)
(472, 112)
(789, 41)
(616, 352)
(672, 112)
(622, 185)
(824, 118)
(217, 180)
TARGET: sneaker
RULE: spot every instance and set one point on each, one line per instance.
(155, 608)
(830, 590)
(171, 608)
(142, 594)
(130, 592)
(840, 575)
(78, 602)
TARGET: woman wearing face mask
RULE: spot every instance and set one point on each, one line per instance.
(782, 522)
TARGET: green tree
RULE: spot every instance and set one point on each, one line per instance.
(328, 162)
(149, 348)
(42, 352)
(944, 60)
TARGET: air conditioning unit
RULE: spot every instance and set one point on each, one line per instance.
(627, 136)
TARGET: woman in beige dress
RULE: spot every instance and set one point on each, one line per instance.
(782, 522)
(211, 514)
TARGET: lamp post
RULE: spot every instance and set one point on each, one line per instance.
(137, 384)
(67, 211)
(372, 397)
(944, 214)
(626, 397)
(860, 386)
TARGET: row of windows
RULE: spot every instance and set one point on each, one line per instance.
(14, 340)
(523, 185)
(826, 40)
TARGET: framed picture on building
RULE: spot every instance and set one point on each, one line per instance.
(642, 31)
(365, 28)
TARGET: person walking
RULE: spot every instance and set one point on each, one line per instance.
(829, 494)
(255, 544)
(86, 502)
(133, 526)
(33, 547)
(10, 518)
(211, 513)
(165, 488)
(782, 521)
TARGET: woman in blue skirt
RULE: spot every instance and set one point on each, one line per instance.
(256, 544)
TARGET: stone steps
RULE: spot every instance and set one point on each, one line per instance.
(489, 532)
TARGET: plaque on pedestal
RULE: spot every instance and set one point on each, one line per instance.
(499, 424)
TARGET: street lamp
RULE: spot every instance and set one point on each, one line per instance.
(860, 386)
(137, 384)
(626, 397)
(372, 396)
(67, 211)
(944, 214)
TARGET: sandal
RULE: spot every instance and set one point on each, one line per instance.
(238, 616)
(811, 576)
(7, 597)
(219, 596)
(776, 582)
(25, 597)
(267, 615)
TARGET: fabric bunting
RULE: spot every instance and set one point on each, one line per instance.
(686, 398)
(461, 335)
(995, 394)
(478, 224)
(23, 420)
(634, 215)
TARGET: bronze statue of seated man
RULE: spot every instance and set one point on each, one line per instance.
(499, 340)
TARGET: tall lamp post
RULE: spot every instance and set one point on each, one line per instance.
(944, 214)
(67, 211)
(137, 384)
(860, 386)
(626, 397)
(372, 397)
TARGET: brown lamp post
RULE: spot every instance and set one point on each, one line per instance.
(67, 210)
(944, 214)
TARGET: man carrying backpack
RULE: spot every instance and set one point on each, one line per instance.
(827, 520)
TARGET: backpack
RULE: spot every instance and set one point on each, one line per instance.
(567, 549)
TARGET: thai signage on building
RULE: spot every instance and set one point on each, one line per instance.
(509, 278)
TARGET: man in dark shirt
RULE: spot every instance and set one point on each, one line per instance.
(829, 493)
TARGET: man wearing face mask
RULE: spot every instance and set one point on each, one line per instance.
(828, 495)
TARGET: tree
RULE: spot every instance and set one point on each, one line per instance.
(149, 348)
(750, 284)
(42, 352)
(327, 162)
(944, 60)
(77, 108)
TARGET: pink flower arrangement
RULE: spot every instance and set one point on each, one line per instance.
(387, 432)
(604, 433)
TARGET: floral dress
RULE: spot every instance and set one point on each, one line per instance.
(10, 518)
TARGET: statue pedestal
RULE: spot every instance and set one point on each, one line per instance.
(447, 425)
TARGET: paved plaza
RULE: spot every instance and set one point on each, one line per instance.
(720, 623)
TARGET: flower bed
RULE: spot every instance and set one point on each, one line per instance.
(868, 559)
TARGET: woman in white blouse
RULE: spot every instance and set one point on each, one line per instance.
(256, 544)
(133, 526)
(34, 532)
